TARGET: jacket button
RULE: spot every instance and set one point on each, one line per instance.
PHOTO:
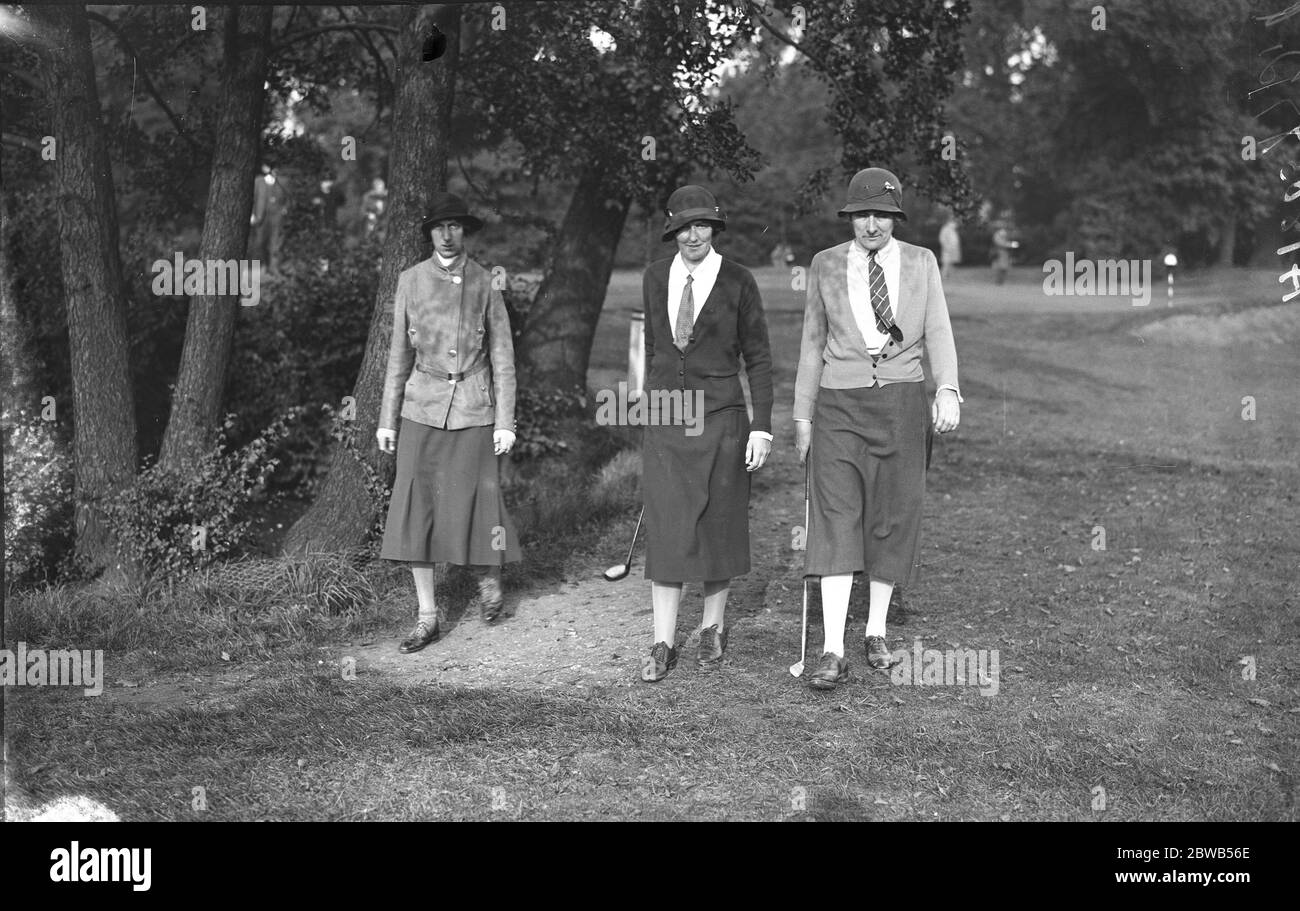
(452, 352)
(681, 372)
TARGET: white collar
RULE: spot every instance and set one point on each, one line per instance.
(707, 267)
(885, 253)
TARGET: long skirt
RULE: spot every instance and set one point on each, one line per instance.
(696, 493)
(447, 505)
(867, 482)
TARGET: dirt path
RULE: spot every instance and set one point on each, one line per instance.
(592, 632)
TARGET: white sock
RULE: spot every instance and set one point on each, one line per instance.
(835, 610)
(880, 595)
(424, 587)
(666, 597)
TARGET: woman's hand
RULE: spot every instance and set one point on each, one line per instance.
(802, 438)
(387, 439)
(756, 453)
(502, 441)
(945, 412)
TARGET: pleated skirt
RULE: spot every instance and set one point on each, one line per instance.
(696, 493)
(867, 482)
(447, 505)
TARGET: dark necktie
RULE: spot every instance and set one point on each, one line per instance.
(685, 317)
(880, 299)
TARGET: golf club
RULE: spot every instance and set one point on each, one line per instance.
(796, 669)
(620, 570)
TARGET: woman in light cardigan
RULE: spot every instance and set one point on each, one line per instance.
(874, 304)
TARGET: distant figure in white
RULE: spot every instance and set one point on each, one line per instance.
(949, 247)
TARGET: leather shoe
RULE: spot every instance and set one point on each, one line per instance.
(712, 645)
(878, 655)
(656, 665)
(831, 671)
(422, 635)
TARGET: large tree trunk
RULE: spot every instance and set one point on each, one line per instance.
(344, 510)
(555, 346)
(210, 329)
(102, 409)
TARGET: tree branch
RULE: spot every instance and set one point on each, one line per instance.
(21, 142)
(24, 76)
(144, 77)
(356, 27)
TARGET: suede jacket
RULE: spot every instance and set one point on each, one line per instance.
(451, 359)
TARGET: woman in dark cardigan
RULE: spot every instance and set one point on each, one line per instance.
(451, 377)
(702, 314)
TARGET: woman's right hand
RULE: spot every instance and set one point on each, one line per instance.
(387, 439)
(802, 438)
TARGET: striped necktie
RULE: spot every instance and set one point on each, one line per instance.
(685, 317)
(880, 299)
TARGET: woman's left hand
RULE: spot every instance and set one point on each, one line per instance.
(756, 453)
(946, 412)
(502, 441)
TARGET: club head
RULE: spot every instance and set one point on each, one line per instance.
(796, 669)
(616, 572)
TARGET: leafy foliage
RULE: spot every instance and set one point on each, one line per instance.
(38, 496)
(573, 106)
(539, 420)
(155, 519)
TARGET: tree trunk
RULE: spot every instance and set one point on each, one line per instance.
(555, 347)
(17, 374)
(103, 412)
(344, 510)
(1227, 243)
(210, 329)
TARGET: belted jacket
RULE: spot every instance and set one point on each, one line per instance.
(451, 359)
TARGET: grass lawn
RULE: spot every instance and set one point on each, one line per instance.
(1154, 679)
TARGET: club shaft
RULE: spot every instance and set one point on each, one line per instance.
(803, 642)
(635, 532)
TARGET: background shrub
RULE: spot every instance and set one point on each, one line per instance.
(153, 519)
(38, 499)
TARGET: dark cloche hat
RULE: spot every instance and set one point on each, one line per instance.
(691, 203)
(449, 207)
(874, 190)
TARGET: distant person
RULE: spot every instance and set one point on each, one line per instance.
(328, 203)
(949, 247)
(782, 256)
(373, 204)
(1002, 247)
(270, 204)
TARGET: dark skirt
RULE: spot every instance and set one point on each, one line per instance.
(867, 482)
(447, 505)
(696, 493)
